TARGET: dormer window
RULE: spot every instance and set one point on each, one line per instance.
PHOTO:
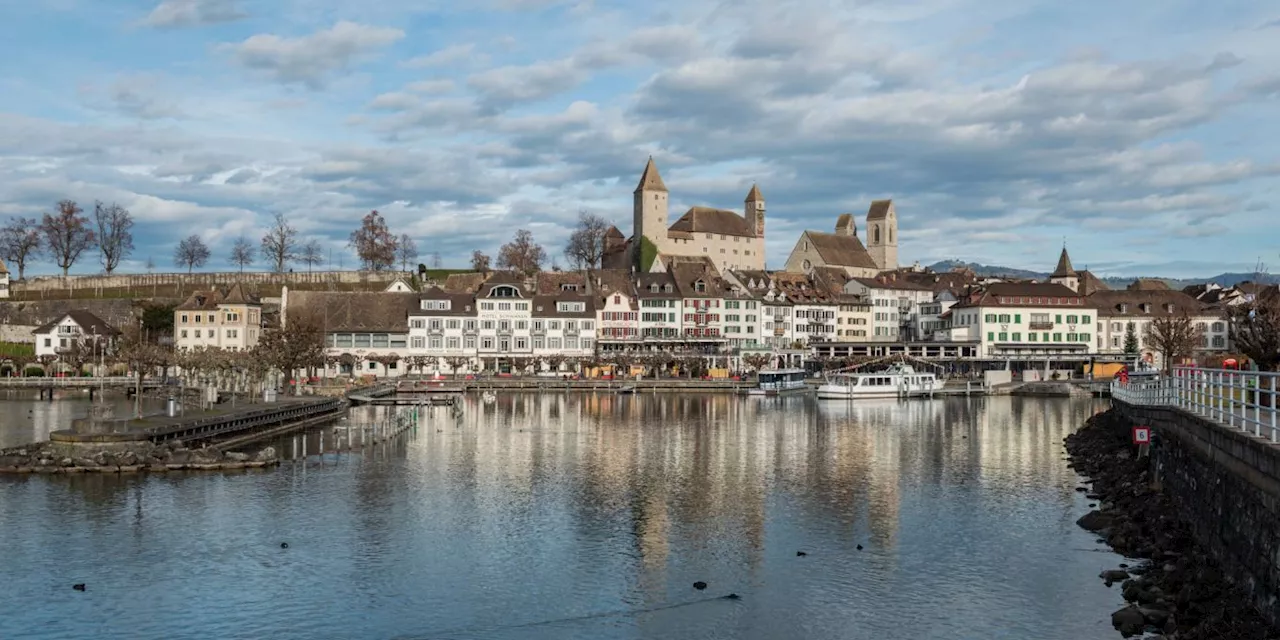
(653, 288)
(1168, 307)
(568, 286)
(700, 286)
(504, 291)
(1124, 307)
(435, 305)
(666, 288)
(1145, 307)
(617, 299)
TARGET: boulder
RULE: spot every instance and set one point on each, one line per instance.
(1129, 621)
(236, 456)
(1095, 521)
(1155, 617)
(66, 462)
(266, 455)
(86, 462)
(1114, 575)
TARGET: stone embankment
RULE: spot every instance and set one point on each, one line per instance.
(51, 458)
(1177, 589)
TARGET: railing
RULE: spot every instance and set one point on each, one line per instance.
(1040, 326)
(1244, 400)
(77, 381)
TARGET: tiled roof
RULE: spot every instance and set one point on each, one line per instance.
(1158, 301)
(460, 304)
(88, 323)
(1090, 284)
(341, 311)
(650, 180)
(207, 300)
(879, 209)
(841, 251)
(667, 289)
(546, 307)
(1063, 269)
(554, 282)
(754, 194)
(1018, 294)
(464, 282)
(687, 275)
(709, 220)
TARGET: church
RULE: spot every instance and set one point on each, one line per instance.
(844, 250)
(728, 240)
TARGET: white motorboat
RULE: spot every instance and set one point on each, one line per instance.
(772, 382)
(898, 381)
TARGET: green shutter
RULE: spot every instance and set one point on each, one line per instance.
(1058, 318)
(1017, 319)
(1017, 337)
(991, 336)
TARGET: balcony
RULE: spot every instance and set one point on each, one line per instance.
(571, 332)
(1040, 326)
(538, 331)
(504, 331)
(470, 331)
(435, 331)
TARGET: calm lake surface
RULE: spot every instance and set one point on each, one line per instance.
(586, 516)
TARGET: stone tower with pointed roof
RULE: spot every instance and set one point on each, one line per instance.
(882, 234)
(650, 214)
(1064, 274)
(754, 208)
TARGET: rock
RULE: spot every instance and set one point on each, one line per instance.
(127, 459)
(1129, 621)
(236, 456)
(86, 462)
(100, 458)
(1155, 617)
(13, 461)
(180, 457)
(266, 455)
(1114, 575)
(206, 456)
(1095, 521)
(66, 462)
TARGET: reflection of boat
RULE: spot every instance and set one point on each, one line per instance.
(898, 381)
(489, 397)
(772, 382)
(627, 389)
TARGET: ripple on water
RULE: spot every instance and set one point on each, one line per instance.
(592, 522)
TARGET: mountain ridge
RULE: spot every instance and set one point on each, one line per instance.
(1225, 279)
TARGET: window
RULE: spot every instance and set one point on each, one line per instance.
(469, 343)
(452, 324)
(487, 344)
(363, 340)
(435, 325)
(416, 324)
(343, 340)
(1031, 337)
(453, 343)
(419, 343)
(1057, 337)
(521, 344)
(539, 342)
(991, 317)
(1004, 337)
(1217, 328)
(373, 365)
(991, 336)
(197, 333)
(1017, 337)
(1084, 337)
(1085, 319)
(381, 340)
(184, 317)
(184, 334)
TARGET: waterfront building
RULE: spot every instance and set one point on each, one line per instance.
(702, 293)
(443, 332)
(844, 250)
(504, 309)
(661, 308)
(365, 332)
(76, 329)
(932, 318)
(564, 325)
(218, 319)
(1025, 321)
(618, 316)
(895, 306)
(728, 240)
(854, 318)
(1118, 310)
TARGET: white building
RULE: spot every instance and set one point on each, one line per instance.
(660, 307)
(219, 319)
(1025, 321)
(71, 330)
(504, 310)
(564, 325)
(1118, 309)
(443, 332)
(895, 306)
(4, 280)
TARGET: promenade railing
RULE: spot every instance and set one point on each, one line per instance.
(1244, 400)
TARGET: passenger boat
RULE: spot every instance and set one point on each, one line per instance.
(772, 382)
(898, 381)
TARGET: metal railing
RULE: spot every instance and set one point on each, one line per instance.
(1244, 400)
(76, 381)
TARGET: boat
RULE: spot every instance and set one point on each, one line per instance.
(897, 381)
(628, 389)
(772, 382)
(489, 397)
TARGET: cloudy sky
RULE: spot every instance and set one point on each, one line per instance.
(1144, 133)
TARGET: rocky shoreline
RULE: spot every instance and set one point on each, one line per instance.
(1176, 590)
(55, 458)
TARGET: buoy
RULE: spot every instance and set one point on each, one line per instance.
(801, 554)
(78, 587)
(733, 596)
(699, 585)
(859, 547)
(284, 545)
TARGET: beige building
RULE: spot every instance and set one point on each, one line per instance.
(1139, 307)
(844, 250)
(219, 319)
(729, 240)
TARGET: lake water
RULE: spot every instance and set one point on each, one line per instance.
(588, 516)
(24, 418)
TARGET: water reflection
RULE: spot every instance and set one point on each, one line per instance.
(568, 507)
(24, 418)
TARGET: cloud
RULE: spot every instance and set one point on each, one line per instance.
(193, 13)
(448, 56)
(505, 86)
(135, 95)
(310, 60)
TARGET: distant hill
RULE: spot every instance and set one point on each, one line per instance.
(1224, 279)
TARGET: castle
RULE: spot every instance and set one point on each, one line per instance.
(734, 242)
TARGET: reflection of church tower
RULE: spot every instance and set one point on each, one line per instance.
(649, 222)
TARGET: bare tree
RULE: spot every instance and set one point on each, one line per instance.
(406, 251)
(298, 344)
(586, 245)
(374, 243)
(242, 253)
(479, 261)
(757, 361)
(279, 246)
(522, 254)
(436, 260)
(67, 234)
(20, 243)
(115, 234)
(191, 252)
(311, 254)
(1255, 328)
(1174, 337)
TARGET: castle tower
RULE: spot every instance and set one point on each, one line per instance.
(1064, 274)
(882, 234)
(755, 210)
(650, 215)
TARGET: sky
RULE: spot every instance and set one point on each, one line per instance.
(1141, 134)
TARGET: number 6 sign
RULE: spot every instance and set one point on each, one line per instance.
(1142, 435)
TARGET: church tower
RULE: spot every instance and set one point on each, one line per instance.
(1065, 274)
(754, 210)
(882, 234)
(650, 216)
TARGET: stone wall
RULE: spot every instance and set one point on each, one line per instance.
(1227, 484)
(197, 280)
